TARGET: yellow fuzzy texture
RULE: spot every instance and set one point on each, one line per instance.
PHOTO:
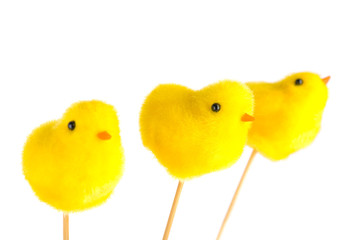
(73, 170)
(189, 139)
(287, 116)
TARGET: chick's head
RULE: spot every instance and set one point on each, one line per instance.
(91, 122)
(306, 91)
(196, 132)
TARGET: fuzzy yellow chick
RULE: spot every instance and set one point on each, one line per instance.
(74, 163)
(288, 114)
(192, 133)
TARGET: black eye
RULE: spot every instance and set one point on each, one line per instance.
(299, 82)
(215, 107)
(71, 125)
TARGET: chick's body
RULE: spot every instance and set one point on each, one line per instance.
(75, 167)
(190, 138)
(287, 114)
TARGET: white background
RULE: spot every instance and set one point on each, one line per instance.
(53, 53)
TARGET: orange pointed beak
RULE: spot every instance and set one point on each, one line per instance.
(104, 135)
(247, 118)
(326, 79)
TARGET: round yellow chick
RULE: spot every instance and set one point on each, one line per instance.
(74, 163)
(288, 114)
(196, 132)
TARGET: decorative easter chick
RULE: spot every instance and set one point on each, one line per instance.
(287, 118)
(74, 163)
(192, 133)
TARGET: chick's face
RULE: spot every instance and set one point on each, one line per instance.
(196, 132)
(306, 90)
(223, 107)
(91, 122)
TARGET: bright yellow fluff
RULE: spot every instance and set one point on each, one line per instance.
(287, 114)
(74, 163)
(196, 132)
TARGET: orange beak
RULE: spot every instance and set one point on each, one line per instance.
(326, 79)
(104, 135)
(247, 118)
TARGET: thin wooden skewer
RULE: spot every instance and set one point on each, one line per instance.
(236, 194)
(173, 210)
(66, 226)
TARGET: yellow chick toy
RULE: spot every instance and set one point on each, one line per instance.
(74, 163)
(192, 133)
(287, 118)
(196, 132)
(288, 114)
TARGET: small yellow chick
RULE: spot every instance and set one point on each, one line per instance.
(196, 132)
(288, 114)
(74, 163)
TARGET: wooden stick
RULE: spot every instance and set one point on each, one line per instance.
(236, 193)
(66, 226)
(173, 210)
